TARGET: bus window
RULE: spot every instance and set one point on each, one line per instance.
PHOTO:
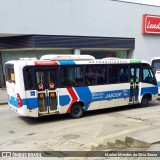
(147, 76)
(113, 74)
(156, 63)
(90, 74)
(101, 75)
(78, 76)
(123, 74)
(10, 76)
(51, 76)
(40, 79)
(96, 75)
(28, 79)
(137, 75)
(71, 76)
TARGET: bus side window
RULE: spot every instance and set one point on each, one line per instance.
(78, 76)
(64, 77)
(10, 76)
(28, 79)
(147, 76)
(51, 76)
(91, 75)
(96, 75)
(123, 71)
(101, 75)
(113, 74)
(72, 76)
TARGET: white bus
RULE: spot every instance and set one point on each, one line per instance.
(155, 62)
(73, 84)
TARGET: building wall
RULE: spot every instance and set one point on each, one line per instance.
(104, 18)
(13, 55)
(2, 82)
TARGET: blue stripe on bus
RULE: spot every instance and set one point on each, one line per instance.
(30, 102)
(64, 100)
(66, 62)
(150, 90)
(86, 96)
(108, 95)
(158, 83)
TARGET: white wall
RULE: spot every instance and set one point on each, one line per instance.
(104, 18)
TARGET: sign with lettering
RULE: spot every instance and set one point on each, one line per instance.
(45, 63)
(151, 24)
(109, 95)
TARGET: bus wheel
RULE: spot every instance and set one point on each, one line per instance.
(77, 111)
(145, 101)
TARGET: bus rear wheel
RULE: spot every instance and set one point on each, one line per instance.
(144, 101)
(76, 111)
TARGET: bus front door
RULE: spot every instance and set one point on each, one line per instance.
(46, 90)
(51, 90)
(134, 84)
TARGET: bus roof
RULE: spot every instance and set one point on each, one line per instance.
(155, 58)
(75, 62)
(81, 62)
(66, 57)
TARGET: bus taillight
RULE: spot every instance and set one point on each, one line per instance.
(19, 101)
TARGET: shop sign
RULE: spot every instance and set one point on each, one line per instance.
(151, 24)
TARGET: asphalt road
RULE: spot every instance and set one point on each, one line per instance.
(62, 133)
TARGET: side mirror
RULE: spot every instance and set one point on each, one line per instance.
(154, 70)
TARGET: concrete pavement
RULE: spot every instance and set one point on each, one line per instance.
(137, 128)
(141, 134)
(3, 96)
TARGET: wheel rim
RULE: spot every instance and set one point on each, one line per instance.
(76, 111)
(145, 101)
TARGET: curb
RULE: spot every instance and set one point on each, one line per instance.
(120, 143)
(3, 98)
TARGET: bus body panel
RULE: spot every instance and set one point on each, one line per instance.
(148, 89)
(16, 91)
(104, 96)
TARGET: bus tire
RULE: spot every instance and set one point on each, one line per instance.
(144, 101)
(76, 111)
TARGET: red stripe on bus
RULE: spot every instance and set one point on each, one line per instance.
(45, 63)
(73, 96)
